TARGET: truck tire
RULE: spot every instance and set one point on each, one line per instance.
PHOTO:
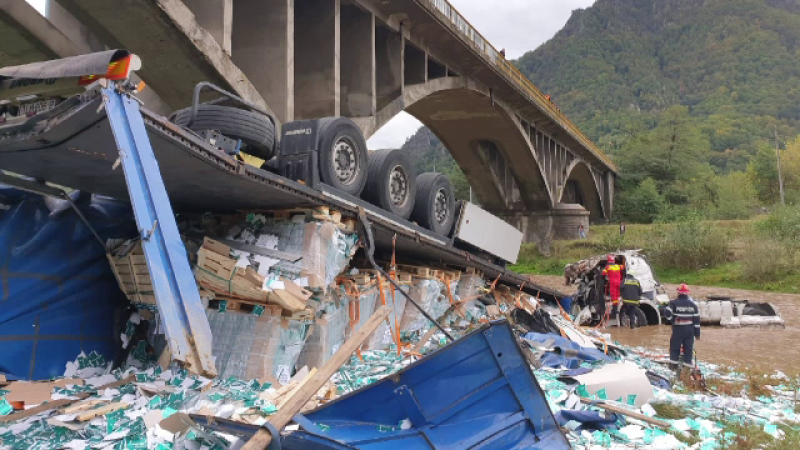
(391, 183)
(435, 206)
(641, 318)
(342, 155)
(255, 130)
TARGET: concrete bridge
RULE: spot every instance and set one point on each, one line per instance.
(364, 59)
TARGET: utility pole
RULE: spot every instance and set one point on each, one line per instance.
(780, 174)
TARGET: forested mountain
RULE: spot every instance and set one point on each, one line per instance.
(685, 95)
(616, 66)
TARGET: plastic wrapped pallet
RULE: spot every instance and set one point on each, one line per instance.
(328, 332)
(428, 294)
(366, 303)
(326, 253)
(470, 286)
(250, 347)
(383, 336)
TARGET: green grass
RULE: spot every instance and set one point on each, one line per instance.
(605, 238)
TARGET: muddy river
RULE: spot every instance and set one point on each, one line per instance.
(775, 349)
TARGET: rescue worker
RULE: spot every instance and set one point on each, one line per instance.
(613, 272)
(631, 294)
(685, 325)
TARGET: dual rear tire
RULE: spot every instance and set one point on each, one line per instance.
(428, 199)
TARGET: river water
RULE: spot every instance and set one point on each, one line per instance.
(765, 349)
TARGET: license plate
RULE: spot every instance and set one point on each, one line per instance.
(36, 107)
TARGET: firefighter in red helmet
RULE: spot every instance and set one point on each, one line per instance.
(685, 325)
(613, 272)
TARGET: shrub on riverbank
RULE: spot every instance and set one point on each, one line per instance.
(690, 244)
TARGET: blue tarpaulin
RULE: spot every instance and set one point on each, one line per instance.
(58, 295)
(566, 353)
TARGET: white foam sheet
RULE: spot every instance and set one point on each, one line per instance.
(619, 380)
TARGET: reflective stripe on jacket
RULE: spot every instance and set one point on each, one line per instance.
(631, 290)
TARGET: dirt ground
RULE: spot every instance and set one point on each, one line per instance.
(764, 348)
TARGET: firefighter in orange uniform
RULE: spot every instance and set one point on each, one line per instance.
(613, 272)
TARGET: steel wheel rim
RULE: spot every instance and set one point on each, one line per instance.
(398, 186)
(345, 160)
(440, 206)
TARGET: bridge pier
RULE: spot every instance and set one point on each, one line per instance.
(542, 227)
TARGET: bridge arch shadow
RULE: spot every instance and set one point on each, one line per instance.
(583, 188)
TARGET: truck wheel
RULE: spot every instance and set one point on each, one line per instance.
(342, 155)
(436, 204)
(255, 130)
(641, 317)
(391, 184)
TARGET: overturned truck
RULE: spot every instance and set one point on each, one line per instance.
(78, 123)
(591, 300)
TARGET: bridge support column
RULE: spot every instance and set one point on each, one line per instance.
(216, 16)
(389, 63)
(263, 48)
(542, 227)
(316, 58)
(358, 62)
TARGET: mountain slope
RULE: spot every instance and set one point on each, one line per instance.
(735, 63)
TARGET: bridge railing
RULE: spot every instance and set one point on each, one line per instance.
(490, 53)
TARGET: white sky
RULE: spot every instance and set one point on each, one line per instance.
(516, 25)
(39, 5)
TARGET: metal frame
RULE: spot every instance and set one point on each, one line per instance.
(183, 316)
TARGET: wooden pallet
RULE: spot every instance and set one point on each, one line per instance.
(132, 275)
(418, 271)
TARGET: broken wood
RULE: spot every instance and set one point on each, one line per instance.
(262, 438)
(92, 413)
(82, 406)
(286, 300)
(626, 412)
(433, 329)
(63, 402)
(296, 388)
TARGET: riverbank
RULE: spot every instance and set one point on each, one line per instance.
(605, 238)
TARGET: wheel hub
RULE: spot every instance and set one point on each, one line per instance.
(345, 160)
(440, 206)
(398, 186)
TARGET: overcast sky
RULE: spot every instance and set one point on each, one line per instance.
(516, 25)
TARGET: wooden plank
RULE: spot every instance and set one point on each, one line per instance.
(92, 413)
(286, 300)
(63, 402)
(626, 412)
(83, 406)
(432, 330)
(262, 438)
(296, 388)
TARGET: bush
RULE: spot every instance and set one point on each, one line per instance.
(690, 244)
(640, 205)
(768, 260)
(782, 225)
(774, 251)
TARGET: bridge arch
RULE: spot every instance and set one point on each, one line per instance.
(484, 137)
(582, 187)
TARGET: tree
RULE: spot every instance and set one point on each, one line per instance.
(675, 150)
(736, 197)
(641, 204)
(790, 164)
(763, 172)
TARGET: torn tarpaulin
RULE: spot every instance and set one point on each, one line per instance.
(561, 352)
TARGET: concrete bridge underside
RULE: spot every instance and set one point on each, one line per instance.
(364, 59)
